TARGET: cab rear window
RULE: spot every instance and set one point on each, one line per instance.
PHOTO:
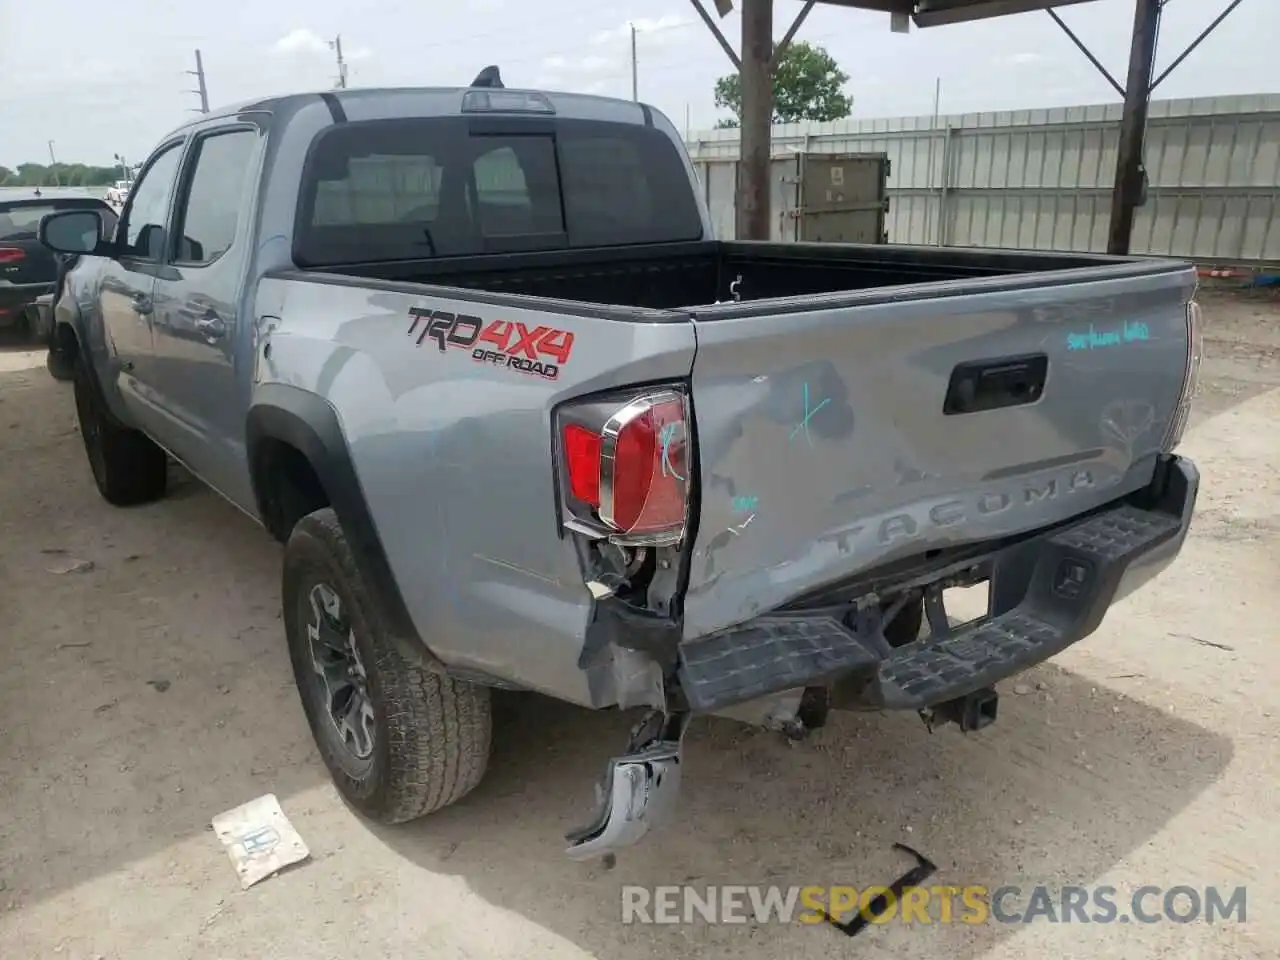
(419, 188)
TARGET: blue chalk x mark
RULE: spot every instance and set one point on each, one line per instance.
(667, 436)
(1094, 339)
(808, 415)
(745, 504)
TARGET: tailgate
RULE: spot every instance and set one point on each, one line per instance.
(835, 438)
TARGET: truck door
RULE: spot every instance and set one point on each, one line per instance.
(199, 375)
(128, 282)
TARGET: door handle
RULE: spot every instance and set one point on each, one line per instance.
(992, 384)
(141, 304)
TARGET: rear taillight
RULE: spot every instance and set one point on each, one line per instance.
(582, 460)
(626, 463)
(12, 254)
(1190, 377)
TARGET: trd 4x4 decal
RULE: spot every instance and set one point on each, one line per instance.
(540, 351)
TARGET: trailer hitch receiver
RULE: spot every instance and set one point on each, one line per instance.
(970, 713)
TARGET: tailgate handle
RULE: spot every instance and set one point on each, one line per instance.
(991, 384)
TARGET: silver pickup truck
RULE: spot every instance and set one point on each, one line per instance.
(475, 358)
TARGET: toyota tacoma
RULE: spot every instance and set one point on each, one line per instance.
(474, 357)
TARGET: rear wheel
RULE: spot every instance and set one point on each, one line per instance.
(400, 741)
(127, 467)
(60, 366)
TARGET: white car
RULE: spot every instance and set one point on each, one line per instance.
(118, 192)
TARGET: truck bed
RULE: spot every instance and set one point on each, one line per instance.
(690, 275)
(861, 407)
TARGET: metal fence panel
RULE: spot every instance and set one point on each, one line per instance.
(1041, 179)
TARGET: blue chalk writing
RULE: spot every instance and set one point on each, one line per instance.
(809, 414)
(260, 841)
(745, 504)
(1096, 339)
(667, 436)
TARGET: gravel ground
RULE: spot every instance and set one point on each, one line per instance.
(144, 694)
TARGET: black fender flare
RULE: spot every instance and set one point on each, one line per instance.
(309, 424)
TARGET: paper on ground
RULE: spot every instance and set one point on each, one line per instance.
(259, 839)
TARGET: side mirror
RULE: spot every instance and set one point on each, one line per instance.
(71, 231)
(191, 251)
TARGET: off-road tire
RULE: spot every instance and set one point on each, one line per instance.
(60, 366)
(432, 733)
(127, 467)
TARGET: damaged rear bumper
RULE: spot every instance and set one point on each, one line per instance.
(1047, 592)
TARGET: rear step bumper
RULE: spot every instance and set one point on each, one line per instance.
(1047, 593)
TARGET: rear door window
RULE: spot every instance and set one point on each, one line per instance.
(211, 209)
(420, 188)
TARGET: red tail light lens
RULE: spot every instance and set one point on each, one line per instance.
(633, 471)
(582, 457)
(12, 254)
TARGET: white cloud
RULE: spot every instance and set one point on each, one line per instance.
(307, 41)
(668, 21)
(1024, 59)
(573, 71)
(301, 40)
(555, 66)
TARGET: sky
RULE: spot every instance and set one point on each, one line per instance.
(102, 79)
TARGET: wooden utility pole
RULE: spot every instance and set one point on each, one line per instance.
(1127, 193)
(755, 68)
(201, 89)
(757, 119)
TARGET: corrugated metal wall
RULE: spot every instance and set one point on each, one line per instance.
(1041, 179)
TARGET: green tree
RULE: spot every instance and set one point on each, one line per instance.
(808, 84)
(64, 174)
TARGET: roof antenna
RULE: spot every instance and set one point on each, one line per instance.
(488, 77)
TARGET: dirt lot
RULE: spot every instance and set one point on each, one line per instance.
(142, 696)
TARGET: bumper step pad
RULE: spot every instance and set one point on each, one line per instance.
(1076, 571)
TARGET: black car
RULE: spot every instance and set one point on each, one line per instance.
(27, 268)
